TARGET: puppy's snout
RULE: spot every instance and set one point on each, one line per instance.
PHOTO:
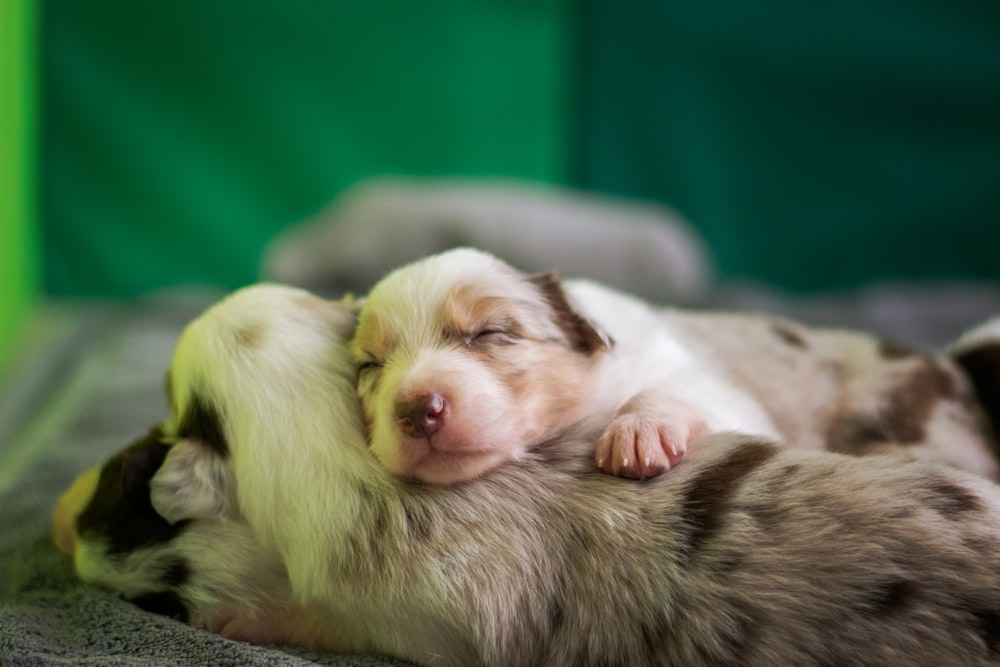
(422, 416)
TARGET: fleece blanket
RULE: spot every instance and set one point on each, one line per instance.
(90, 380)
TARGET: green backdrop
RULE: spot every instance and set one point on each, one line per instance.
(814, 145)
(19, 277)
(180, 136)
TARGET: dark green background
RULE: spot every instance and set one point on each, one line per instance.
(814, 145)
(179, 136)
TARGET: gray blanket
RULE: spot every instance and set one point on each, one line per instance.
(90, 381)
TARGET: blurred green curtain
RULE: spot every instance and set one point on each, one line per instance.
(180, 136)
(19, 271)
(815, 144)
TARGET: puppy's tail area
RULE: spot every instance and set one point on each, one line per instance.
(978, 352)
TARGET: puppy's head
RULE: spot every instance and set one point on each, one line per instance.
(185, 521)
(106, 522)
(463, 362)
(210, 572)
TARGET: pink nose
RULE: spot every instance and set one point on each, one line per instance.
(423, 416)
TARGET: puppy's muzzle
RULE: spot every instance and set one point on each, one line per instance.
(423, 416)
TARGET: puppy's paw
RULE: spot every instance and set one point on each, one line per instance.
(640, 446)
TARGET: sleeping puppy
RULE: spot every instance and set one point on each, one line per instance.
(465, 362)
(257, 511)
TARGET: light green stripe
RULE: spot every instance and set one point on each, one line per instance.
(19, 270)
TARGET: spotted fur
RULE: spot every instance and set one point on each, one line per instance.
(748, 553)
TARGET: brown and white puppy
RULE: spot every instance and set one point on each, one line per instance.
(465, 362)
(257, 511)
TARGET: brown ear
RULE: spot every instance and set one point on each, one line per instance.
(582, 334)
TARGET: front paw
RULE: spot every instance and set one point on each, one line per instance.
(640, 446)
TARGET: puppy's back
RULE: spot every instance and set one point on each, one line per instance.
(749, 553)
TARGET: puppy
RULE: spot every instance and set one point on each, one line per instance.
(750, 553)
(464, 362)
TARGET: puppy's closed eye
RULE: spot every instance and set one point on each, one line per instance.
(490, 335)
(368, 373)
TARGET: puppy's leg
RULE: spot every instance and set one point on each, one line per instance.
(649, 434)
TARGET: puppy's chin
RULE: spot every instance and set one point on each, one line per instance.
(417, 459)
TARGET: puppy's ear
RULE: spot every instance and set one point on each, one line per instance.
(194, 482)
(583, 334)
(139, 463)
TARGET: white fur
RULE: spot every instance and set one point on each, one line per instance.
(652, 353)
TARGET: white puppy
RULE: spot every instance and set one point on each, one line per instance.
(256, 511)
(465, 362)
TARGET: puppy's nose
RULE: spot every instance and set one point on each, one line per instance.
(423, 416)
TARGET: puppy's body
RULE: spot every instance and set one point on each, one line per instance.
(434, 390)
(749, 553)
(839, 390)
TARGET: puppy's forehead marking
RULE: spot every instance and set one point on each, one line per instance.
(471, 305)
(408, 308)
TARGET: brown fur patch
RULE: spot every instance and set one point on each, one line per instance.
(706, 498)
(889, 349)
(249, 336)
(911, 405)
(202, 422)
(903, 417)
(582, 335)
(467, 309)
(789, 335)
(988, 624)
(856, 434)
(983, 367)
(951, 500)
(890, 598)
